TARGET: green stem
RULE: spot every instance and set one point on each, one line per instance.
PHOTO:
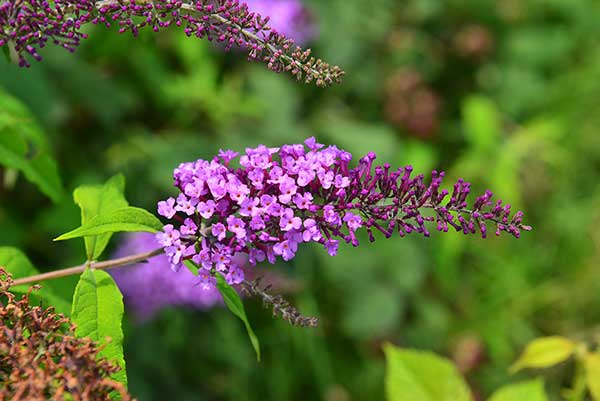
(578, 389)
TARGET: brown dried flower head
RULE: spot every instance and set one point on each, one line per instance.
(41, 359)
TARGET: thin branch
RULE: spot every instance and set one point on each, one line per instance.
(108, 264)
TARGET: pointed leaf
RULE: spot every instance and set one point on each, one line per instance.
(236, 306)
(17, 264)
(422, 376)
(544, 352)
(131, 219)
(525, 391)
(98, 314)
(95, 200)
(23, 147)
(592, 374)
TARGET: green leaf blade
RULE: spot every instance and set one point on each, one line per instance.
(24, 148)
(525, 391)
(97, 200)
(98, 314)
(544, 352)
(422, 376)
(127, 219)
(236, 306)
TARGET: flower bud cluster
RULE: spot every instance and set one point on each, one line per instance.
(282, 197)
(27, 25)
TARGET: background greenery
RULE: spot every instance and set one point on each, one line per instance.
(504, 93)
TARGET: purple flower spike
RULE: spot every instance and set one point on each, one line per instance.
(28, 25)
(282, 197)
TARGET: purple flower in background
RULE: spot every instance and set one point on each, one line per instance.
(290, 17)
(150, 287)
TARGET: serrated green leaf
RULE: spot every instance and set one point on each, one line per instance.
(131, 219)
(18, 265)
(422, 376)
(236, 306)
(524, 391)
(98, 314)
(544, 352)
(23, 147)
(96, 200)
(481, 122)
(592, 374)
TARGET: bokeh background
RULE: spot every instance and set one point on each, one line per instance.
(505, 93)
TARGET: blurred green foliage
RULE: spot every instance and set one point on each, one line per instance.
(505, 93)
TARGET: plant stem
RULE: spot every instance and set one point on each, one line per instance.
(127, 260)
(14, 56)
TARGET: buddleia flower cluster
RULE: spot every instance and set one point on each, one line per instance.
(281, 197)
(28, 25)
(42, 359)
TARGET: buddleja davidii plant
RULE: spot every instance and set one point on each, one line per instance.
(266, 206)
(413, 375)
(26, 26)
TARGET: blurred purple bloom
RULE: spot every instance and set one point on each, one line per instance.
(150, 287)
(289, 17)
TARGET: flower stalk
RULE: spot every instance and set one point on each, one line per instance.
(31, 24)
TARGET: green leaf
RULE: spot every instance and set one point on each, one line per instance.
(96, 200)
(592, 374)
(236, 306)
(524, 391)
(16, 263)
(543, 353)
(481, 122)
(193, 267)
(98, 314)
(6, 53)
(131, 219)
(23, 147)
(422, 376)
